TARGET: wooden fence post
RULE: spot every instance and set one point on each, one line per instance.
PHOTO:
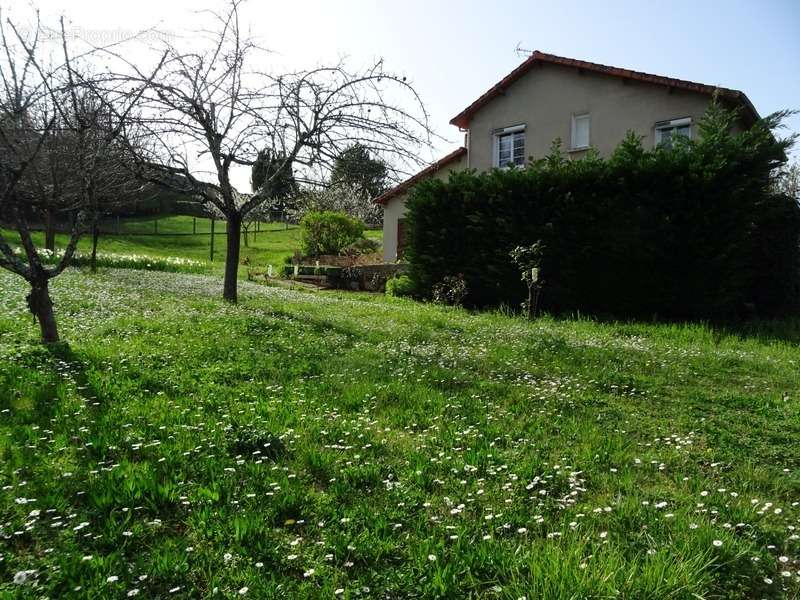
(194, 224)
(212, 239)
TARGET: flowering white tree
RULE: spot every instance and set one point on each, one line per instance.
(341, 197)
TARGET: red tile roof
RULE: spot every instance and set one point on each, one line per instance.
(430, 170)
(463, 118)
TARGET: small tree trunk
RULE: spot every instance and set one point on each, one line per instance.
(49, 231)
(95, 240)
(537, 290)
(41, 308)
(232, 258)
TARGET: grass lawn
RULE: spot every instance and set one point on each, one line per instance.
(137, 237)
(323, 445)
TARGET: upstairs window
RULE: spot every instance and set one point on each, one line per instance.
(580, 132)
(666, 130)
(509, 147)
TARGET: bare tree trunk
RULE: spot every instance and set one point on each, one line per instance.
(232, 258)
(95, 240)
(49, 230)
(41, 307)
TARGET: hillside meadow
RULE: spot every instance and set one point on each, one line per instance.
(176, 243)
(327, 445)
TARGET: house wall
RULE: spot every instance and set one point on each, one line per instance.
(545, 99)
(392, 213)
(547, 96)
(395, 209)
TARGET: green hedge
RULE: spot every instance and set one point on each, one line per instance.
(329, 232)
(692, 231)
(399, 286)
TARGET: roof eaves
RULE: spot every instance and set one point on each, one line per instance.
(384, 198)
(463, 118)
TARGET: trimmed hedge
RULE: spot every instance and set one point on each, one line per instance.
(691, 231)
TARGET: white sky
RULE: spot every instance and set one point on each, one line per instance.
(453, 51)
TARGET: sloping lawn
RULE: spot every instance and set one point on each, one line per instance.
(271, 245)
(344, 446)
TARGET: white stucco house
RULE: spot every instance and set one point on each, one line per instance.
(586, 105)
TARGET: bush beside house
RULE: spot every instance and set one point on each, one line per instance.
(696, 230)
(399, 286)
(329, 232)
(336, 254)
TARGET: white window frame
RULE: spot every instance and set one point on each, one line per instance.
(496, 135)
(574, 131)
(663, 126)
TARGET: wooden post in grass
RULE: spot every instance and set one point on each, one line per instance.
(212, 238)
(155, 226)
(119, 230)
(194, 224)
(528, 259)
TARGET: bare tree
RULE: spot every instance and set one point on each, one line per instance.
(217, 106)
(51, 175)
(115, 184)
(51, 113)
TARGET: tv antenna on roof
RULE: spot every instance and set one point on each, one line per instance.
(522, 52)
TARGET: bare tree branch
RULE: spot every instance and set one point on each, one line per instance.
(216, 107)
(60, 152)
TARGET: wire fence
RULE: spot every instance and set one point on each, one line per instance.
(167, 226)
(172, 226)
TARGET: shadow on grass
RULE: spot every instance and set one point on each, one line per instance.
(773, 330)
(63, 352)
(785, 329)
(33, 382)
